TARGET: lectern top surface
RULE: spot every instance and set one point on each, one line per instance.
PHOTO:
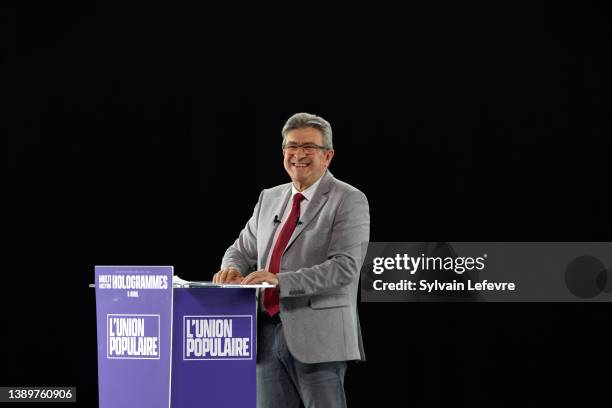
(218, 285)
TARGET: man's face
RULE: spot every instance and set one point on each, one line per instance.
(305, 167)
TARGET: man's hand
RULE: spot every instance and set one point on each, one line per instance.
(228, 275)
(261, 276)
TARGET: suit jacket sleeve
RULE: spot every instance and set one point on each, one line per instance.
(350, 231)
(242, 255)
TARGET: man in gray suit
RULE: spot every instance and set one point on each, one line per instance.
(307, 238)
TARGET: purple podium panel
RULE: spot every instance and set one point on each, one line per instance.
(214, 348)
(134, 313)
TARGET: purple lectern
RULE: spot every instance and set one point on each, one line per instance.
(187, 345)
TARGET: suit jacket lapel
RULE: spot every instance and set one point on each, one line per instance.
(269, 234)
(318, 201)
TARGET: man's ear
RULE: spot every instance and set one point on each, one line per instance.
(330, 155)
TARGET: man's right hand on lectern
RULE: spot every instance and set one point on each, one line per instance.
(228, 275)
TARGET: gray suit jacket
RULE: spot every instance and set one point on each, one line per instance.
(319, 274)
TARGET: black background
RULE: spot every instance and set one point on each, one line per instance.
(144, 134)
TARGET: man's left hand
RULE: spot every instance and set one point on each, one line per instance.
(261, 276)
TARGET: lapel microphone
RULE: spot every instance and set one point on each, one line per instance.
(277, 221)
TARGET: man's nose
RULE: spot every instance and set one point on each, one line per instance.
(300, 153)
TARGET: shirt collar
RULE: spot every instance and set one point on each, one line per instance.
(309, 192)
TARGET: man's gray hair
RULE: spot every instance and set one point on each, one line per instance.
(304, 120)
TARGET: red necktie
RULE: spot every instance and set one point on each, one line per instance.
(271, 295)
